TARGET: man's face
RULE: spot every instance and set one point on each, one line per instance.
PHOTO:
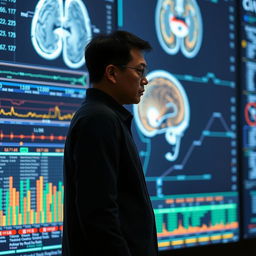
(130, 82)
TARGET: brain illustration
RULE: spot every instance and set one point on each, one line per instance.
(179, 26)
(60, 29)
(164, 109)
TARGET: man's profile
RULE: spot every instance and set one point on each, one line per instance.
(107, 209)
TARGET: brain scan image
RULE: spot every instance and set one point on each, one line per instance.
(179, 26)
(62, 29)
(164, 109)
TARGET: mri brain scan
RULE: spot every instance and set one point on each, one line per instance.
(164, 109)
(62, 29)
(179, 26)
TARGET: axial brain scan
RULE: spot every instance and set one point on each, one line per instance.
(57, 28)
(164, 108)
(179, 26)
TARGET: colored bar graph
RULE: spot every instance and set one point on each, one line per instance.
(195, 219)
(17, 208)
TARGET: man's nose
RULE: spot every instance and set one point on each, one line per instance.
(144, 81)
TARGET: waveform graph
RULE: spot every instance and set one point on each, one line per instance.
(47, 76)
(38, 110)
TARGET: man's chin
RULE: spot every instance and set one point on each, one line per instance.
(137, 101)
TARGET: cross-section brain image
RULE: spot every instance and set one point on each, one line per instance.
(164, 109)
(59, 26)
(179, 26)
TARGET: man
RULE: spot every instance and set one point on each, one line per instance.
(107, 209)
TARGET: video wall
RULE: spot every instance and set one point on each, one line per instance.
(248, 125)
(186, 123)
(187, 127)
(42, 82)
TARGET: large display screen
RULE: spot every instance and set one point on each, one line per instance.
(248, 126)
(42, 82)
(185, 125)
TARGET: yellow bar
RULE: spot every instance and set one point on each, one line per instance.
(164, 244)
(4, 220)
(217, 237)
(13, 196)
(204, 239)
(13, 206)
(1, 218)
(190, 240)
(20, 218)
(177, 242)
(50, 193)
(43, 217)
(225, 236)
(41, 192)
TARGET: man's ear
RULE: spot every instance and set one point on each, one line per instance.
(110, 73)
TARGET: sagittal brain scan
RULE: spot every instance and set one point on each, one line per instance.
(164, 109)
(61, 28)
(179, 26)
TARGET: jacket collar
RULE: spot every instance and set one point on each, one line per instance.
(93, 94)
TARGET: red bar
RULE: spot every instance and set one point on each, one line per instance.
(28, 231)
(8, 232)
(61, 228)
(48, 229)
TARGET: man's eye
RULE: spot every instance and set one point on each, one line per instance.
(140, 71)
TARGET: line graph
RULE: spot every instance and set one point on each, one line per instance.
(53, 113)
(51, 76)
(205, 79)
(32, 136)
(37, 109)
(197, 143)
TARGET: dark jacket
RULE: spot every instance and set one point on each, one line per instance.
(107, 209)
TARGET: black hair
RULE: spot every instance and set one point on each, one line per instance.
(112, 48)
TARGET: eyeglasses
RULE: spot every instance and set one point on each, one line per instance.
(142, 72)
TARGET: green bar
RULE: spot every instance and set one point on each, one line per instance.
(52, 247)
(23, 150)
(159, 223)
(232, 215)
(28, 185)
(52, 154)
(182, 177)
(172, 223)
(17, 214)
(11, 214)
(20, 154)
(120, 13)
(196, 208)
(186, 216)
(29, 250)
(7, 252)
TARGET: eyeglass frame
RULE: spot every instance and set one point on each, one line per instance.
(141, 71)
